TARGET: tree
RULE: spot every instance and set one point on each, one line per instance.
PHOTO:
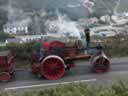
(3, 18)
(4, 36)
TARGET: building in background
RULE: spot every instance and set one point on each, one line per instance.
(15, 28)
(28, 38)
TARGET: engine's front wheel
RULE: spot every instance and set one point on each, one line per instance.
(100, 64)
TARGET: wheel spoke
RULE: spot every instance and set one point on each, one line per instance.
(53, 68)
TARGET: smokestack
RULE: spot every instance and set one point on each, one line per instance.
(87, 36)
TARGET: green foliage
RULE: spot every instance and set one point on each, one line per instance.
(113, 48)
(4, 36)
(22, 51)
(116, 48)
(117, 89)
(3, 18)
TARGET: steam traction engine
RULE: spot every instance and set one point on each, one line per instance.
(60, 55)
(6, 65)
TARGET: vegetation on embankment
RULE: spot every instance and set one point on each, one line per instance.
(113, 47)
(4, 36)
(117, 89)
(22, 51)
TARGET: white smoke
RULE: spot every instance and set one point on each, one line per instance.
(117, 6)
(24, 22)
(62, 26)
(16, 15)
(89, 4)
(73, 6)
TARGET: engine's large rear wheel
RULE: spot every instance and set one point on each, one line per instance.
(52, 67)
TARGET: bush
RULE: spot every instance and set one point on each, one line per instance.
(22, 51)
(4, 36)
(112, 48)
(116, 48)
(82, 89)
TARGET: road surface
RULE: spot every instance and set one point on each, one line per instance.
(24, 79)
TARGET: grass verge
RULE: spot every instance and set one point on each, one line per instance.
(81, 89)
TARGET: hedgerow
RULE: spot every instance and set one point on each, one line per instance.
(82, 89)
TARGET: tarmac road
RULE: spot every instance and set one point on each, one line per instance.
(24, 79)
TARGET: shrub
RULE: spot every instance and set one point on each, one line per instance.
(4, 36)
(81, 89)
(22, 51)
(116, 48)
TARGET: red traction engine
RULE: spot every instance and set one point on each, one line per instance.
(6, 65)
(59, 58)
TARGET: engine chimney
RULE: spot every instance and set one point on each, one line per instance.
(87, 36)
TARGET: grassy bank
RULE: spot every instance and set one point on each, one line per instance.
(116, 48)
(117, 89)
(23, 53)
(113, 47)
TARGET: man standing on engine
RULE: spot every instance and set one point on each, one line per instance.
(45, 44)
(37, 49)
(42, 47)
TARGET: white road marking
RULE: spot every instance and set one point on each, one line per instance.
(52, 84)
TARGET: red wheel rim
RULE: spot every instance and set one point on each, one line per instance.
(4, 76)
(53, 67)
(104, 62)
